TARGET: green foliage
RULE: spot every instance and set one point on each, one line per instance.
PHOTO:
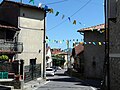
(58, 60)
(4, 57)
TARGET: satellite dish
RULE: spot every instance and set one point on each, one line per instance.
(40, 5)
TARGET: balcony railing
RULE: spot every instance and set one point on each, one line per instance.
(10, 46)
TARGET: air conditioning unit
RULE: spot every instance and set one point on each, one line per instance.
(112, 9)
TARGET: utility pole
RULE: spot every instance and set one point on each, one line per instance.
(44, 48)
(67, 54)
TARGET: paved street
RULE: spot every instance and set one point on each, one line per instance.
(63, 82)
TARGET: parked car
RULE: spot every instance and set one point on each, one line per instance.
(50, 71)
(59, 68)
(54, 68)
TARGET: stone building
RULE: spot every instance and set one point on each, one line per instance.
(113, 23)
(78, 58)
(94, 51)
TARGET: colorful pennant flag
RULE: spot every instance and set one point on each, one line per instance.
(77, 40)
(103, 30)
(85, 42)
(67, 42)
(80, 23)
(63, 16)
(89, 42)
(81, 42)
(104, 43)
(46, 7)
(69, 19)
(31, 1)
(56, 13)
(51, 11)
(74, 22)
(100, 43)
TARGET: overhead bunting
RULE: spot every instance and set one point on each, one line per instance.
(57, 13)
(75, 41)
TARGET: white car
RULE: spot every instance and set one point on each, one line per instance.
(50, 71)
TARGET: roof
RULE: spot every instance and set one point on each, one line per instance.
(4, 25)
(63, 53)
(56, 51)
(97, 27)
(22, 4)
(77, 49)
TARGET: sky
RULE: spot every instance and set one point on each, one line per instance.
(86, 13)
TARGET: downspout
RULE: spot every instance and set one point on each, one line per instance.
(107, 75)
(44, 48)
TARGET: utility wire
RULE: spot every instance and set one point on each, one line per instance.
(56, 2)
(71, 15)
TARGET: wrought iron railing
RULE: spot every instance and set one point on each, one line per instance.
(10, 46)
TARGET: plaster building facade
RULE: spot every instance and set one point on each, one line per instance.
(94, 51)
(31, 22)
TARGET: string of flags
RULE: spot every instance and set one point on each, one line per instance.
(69, 19)
(63, 16)
(57, 13)
(75, 42)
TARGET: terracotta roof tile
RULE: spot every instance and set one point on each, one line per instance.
(78, 49)
(100, 26)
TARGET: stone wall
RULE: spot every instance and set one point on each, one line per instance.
(114, 50)
(115, 73)
(94, 55)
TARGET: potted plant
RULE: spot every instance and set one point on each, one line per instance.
(4, 58)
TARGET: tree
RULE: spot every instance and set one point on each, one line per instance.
(58, 60)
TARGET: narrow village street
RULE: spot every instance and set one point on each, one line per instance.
(77, 42)
(63, 82)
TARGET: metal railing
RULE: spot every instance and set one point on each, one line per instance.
(10, 46)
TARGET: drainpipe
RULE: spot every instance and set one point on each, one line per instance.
(107, 75)
(44, 48)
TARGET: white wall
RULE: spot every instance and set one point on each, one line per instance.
(31, 21)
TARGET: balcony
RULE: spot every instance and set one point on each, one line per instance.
(11, 47)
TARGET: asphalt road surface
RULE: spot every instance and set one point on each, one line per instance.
(63, 82)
